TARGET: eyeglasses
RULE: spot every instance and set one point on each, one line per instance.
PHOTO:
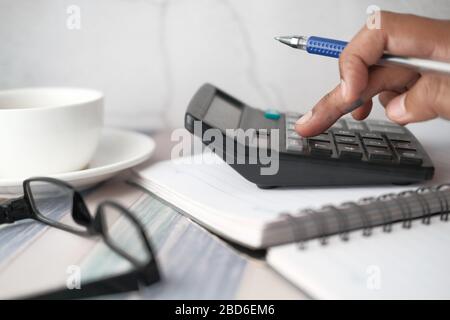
(45, 198)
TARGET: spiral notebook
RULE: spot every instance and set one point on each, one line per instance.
(213, 194)
(404, 260)
(408, 263)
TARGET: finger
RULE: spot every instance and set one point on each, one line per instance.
(399, 34)
(381, 79)
(333, 106)
(389, 79)
(363, 112)
(387, 96)
(330, 108)
(427, 99)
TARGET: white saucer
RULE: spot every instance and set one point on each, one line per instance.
(118, 150)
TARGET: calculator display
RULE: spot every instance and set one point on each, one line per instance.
(223, 114)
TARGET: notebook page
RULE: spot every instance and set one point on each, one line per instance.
(405, 264)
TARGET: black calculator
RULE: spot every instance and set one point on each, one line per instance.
(371, 152)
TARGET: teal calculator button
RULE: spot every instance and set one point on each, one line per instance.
(272, 115)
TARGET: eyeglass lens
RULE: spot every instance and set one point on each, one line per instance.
(51, 199)
(125, 234)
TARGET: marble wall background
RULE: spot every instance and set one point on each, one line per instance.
(149, 56)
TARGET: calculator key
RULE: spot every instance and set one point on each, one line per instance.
(293, 115)
(344, 133)
(339, 125)
(291, 120)
(404, 146)
(263, 132)
(371, 135)
(294, 145)
(262, 142)
(324, 137)
(399, 137)
(347, 140)
(381, 123)
(272, 115)
(386, 129)
(379, 154)
(356, 126)
(290, 126)
(293, 135)
(409, 157)
(320, 148)
(349, 151)
(374, 143)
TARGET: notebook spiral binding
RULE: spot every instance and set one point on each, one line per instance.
(320, 220)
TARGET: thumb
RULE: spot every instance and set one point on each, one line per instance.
(427, 99)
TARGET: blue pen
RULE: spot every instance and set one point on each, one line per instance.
(333, 48)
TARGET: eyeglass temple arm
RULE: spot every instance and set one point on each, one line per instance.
(121, 283)
(14, 210)
(150, 274)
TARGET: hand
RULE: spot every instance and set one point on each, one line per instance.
(406, 95)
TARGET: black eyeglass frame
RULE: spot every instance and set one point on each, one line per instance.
(24, 207)
(146, 274)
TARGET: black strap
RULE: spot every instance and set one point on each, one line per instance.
(14, 210)
(3, 214)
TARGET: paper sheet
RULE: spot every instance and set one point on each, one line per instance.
(406, 264)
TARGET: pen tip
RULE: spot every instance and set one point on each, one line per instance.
(285, 40)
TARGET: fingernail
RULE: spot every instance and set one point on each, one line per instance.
(396, 108)
(304, 119)
(344, 88)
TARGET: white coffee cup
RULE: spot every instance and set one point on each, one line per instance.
(46, 131)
